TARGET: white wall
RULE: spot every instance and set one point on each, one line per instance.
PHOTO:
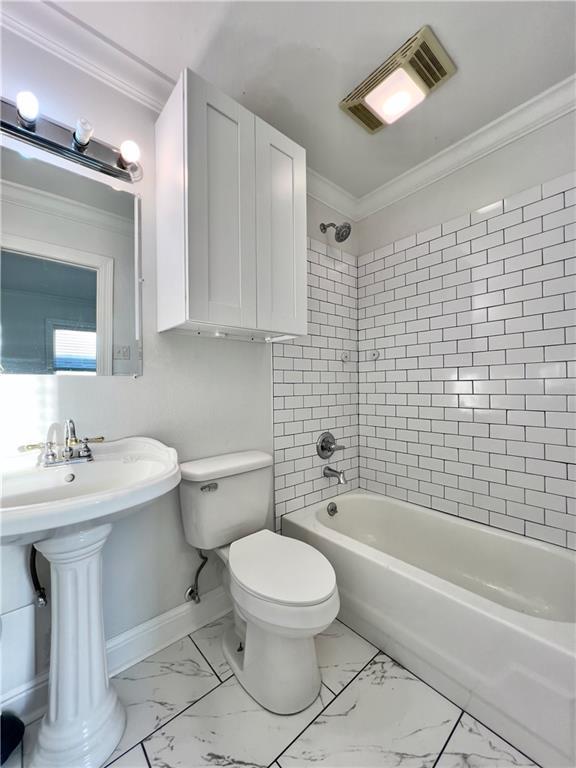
(200, 396)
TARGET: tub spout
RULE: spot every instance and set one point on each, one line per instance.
(338, 474)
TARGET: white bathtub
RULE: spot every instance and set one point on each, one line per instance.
(486, 617)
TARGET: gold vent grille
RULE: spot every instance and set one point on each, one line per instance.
(422, 56)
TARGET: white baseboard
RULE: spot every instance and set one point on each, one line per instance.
(29, 701)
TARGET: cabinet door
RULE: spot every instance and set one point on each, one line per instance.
(221, 207)
(280, 232)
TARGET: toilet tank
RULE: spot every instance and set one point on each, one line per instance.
(224, 498)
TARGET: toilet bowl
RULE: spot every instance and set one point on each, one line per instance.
(284, 594)
(283, 590)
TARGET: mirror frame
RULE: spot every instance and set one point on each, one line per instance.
(33, 152)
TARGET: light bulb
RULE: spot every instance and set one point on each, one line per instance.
(129, 152)
(84, 132)
(28, 107)
(395, 96)
(396, 104)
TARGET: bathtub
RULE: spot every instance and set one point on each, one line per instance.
(484, 616)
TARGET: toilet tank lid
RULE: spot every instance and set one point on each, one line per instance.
(226, 465)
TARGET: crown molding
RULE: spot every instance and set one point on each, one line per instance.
(53, 30)
(325, 191)
(548, 106)
(524, 119)
(60, 34)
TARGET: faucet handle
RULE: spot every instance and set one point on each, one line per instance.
(326, 445)
(31, 447)
(85, 451)
(48, 455)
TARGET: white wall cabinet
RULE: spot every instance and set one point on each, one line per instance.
(231, 218)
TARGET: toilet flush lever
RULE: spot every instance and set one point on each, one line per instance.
(209, 487)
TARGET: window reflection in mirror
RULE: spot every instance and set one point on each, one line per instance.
(68, 272)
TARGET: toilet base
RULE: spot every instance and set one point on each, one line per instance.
(280, 673)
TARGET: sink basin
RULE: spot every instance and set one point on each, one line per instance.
(66, 511)
(38, 502)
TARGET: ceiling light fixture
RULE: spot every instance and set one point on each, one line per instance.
(401, 83)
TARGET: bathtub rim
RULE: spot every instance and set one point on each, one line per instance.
(560, 635)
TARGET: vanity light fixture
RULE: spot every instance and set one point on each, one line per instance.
(28, 109)
(401, 83)
(22, 120)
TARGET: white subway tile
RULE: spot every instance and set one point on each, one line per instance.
(559, 184)
(548, 205)
(524, 230)
(525, 197)
(487, 212)
(470, 408)
(545, 533)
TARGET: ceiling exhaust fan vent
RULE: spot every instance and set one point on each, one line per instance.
(422, 57)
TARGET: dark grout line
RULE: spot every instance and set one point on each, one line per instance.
(324, 708)
(448, 739)
(464, 711)
(148, 763)
(166, 722)
(330, 689)
(195, 644)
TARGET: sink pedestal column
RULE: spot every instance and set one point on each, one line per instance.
(85, 719)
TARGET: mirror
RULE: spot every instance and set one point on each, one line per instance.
(69, 272)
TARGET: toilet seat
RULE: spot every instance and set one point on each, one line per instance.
(281, 570)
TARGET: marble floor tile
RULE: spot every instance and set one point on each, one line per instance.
(472, 745)
(156, 689)
(228, 728)
(209, 640)
(386, 717)
(133, 759)
(341, 655)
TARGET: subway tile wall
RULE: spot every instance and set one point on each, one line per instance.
(315, 389)
(470, 406)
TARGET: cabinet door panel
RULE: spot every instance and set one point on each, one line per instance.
(280, 232)
(221, 213)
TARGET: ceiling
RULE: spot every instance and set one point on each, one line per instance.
(292, 62)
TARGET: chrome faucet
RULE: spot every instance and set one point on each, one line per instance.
(73, 450)
(70, 439)
(339, 474)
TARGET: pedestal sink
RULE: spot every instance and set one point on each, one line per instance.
(66, 511)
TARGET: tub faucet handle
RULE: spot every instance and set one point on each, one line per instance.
(326, 445)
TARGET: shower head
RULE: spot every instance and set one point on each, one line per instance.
(341, 231)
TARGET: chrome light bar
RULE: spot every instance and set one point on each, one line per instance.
(59, 139)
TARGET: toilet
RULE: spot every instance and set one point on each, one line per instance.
(283, 590)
